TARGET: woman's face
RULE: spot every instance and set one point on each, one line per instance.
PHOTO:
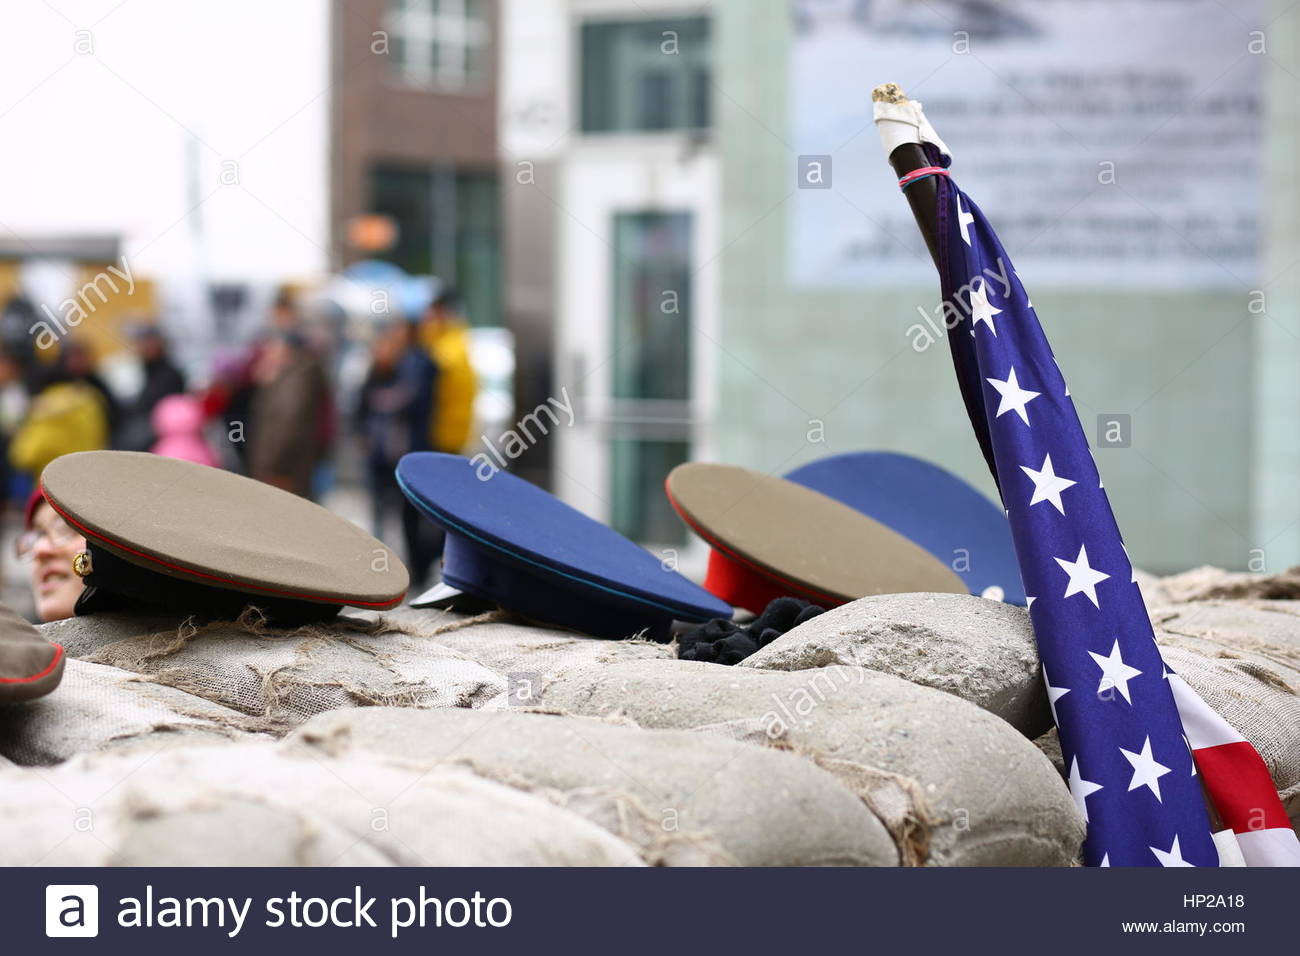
(49, 547)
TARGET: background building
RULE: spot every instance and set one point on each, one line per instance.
(414, 140)
(612, 205)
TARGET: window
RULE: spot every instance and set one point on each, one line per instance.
(438, 43)
(645, 75)
(652, 305)
(651, 369)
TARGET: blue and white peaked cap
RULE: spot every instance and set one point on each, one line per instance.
(513, 543)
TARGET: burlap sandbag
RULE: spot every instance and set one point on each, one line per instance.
(99, 707)
(519, 651)
(256, 805)
(955, 785)
(1211, 584)
(286, 676)
(1265, 631)
(979, 650)
(681, 798)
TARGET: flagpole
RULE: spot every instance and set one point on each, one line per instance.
(923, 195)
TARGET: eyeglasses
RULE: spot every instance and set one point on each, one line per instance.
(58, 534)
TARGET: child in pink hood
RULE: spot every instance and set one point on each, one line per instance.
(178, 423)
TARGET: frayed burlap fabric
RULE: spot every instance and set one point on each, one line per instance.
(102, 708)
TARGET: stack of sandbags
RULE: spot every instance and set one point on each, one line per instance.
(98, 707)
(680, 798)
(285, 676)
(254, 804)
(954, 784)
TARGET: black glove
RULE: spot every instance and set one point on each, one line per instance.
(724, 642)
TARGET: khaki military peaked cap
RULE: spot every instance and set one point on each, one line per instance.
(171, 533)
(772, 538)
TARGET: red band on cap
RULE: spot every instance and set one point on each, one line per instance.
(49, 669)
(738, 585)
(752, 588)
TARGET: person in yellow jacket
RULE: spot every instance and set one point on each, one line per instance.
(445, 336)
(63, 418)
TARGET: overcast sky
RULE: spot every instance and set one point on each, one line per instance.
(96, 129)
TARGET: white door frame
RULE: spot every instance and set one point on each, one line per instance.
(601, 177)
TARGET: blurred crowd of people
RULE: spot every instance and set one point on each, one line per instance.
(53, 405)
(270, 409)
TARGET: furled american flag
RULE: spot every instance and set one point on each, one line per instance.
(1148, 760)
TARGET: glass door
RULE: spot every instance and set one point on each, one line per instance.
(650, 410)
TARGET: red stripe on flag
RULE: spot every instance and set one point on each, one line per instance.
(1238, 782)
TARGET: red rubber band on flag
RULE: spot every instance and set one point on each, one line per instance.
(921, 173)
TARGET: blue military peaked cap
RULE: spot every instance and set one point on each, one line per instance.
(512, 543)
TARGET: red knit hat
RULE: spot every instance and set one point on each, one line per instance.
(29, 510)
